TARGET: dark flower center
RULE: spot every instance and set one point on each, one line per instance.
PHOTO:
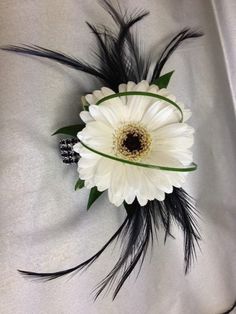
(132, 141)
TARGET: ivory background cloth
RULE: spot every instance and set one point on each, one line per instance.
(44, 225)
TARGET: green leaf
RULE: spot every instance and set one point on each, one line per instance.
(85, 104)
(79, 184)
(70, 130)
(93, 196)
(163, 81)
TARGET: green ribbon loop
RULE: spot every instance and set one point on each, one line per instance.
(137, 93)
(189, 168)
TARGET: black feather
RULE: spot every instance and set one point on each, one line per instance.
(135, 239)
(184, 34)
(119, 59)
(136, 233)
(56, 56)
(179, 206)
(85, 264)
(126, 46)
(118, 54)
(143, 222)
(230, 309)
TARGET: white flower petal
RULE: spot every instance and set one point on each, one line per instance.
(109, 113)
(142, 200)
(160, 179)
(97, 114)
(114, 102)
(137, 105)
(157, 116)
(130, 86)
(132, 182)
(86, 116)
(98, 94)
(91, 99)
(77, 147)
(142, 86)
(117, 180)
(148, 190)
(164, 159)
(163, 92)
(98, 134)
(122, 89)
(87, 163)
(84, 152)
(153, 89)
(184, 156)
(186, 112)
(173, 130)
(170, 158)
(107, 91)
(178, 143)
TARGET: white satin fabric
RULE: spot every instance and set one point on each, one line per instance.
(44, 225)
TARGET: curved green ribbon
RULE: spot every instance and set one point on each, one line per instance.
(192, 167)
(137, 93)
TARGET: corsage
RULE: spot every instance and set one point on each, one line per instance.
(134, 144)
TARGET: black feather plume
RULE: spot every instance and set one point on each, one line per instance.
(143, 222)
(119, 56)
(56, 56)
(125, 48)
(119, 59)
(85, 264)
(179, 207)
(186, 33)
(136, 234)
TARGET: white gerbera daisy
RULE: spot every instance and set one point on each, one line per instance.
(139, 130)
